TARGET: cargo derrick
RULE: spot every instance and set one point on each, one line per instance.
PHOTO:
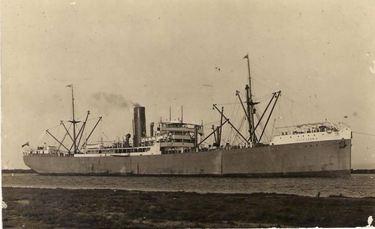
(76, 138)
(249, 111)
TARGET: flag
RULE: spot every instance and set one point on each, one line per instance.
(246, 57)
(26, 144)
(69, 85)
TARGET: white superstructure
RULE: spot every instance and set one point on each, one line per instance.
(313, 132)
(124, 152)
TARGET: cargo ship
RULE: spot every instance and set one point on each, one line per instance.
(178, 148)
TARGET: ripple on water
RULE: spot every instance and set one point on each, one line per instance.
(358, 185)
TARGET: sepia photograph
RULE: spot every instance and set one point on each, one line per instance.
(187, 113)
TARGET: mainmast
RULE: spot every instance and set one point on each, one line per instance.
(250, 106)
(73, 121)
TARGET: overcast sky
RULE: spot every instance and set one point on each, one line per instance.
(321, 54)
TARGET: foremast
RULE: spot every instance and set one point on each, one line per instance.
(250, 107)
(73, 121)
(249, 112)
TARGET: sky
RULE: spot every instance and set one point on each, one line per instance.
(164, 53)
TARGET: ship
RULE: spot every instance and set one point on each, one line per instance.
(179, 148)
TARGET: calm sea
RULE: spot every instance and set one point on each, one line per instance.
(357, 186)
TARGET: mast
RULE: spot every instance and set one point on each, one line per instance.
(250, 105)
(73, 121)
(170, 113)
(182, 114)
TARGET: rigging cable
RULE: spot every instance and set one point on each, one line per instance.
(229, 136)
(239, 129)
(235, 121)
(363, 133)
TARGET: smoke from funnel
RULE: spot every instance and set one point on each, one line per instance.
(104, 99)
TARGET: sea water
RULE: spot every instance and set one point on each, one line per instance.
(358, 185)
